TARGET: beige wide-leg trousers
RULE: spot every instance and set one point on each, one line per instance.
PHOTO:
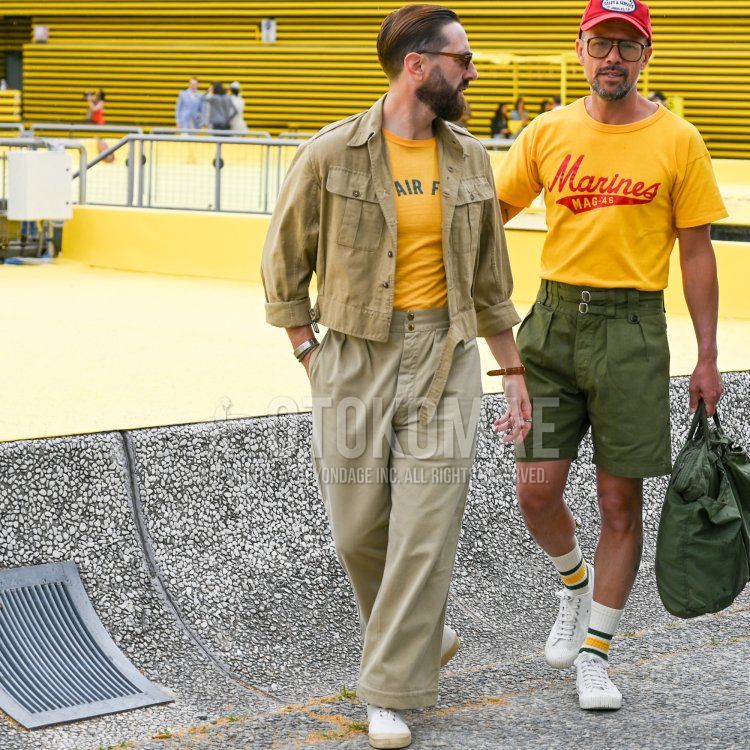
(395, 490)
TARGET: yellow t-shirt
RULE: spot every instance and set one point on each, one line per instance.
(420, 272)
(615, 195)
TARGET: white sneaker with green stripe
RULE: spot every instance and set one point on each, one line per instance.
(569, 631)
(595, 690)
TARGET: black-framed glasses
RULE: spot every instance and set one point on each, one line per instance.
(599, 47)
(464, 57)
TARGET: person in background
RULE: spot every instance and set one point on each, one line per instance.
(95, 101)
(546, 105)
(189, 111)
(220, 107)
(556, 103)
(95, 116)
(519, 112)
(499, 122)
(237, 123)
(657, 97)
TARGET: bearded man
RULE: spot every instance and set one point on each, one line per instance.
(394, 209)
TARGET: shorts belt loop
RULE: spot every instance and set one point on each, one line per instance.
(634, 317)
(547, 284)
(633, 298)
(554, 299)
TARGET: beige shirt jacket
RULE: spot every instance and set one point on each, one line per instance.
(336, 216)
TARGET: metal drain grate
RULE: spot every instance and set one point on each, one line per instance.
(57, 661)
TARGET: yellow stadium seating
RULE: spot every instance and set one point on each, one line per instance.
(324, 66)
(10, 106)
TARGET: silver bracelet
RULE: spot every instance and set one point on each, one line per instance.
(306, 346)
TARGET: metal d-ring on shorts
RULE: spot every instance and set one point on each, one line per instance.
(598, 358)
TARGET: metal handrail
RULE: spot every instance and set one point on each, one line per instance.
(12, 126)
(83, 127)
(229, 139)
(297, 134)
(135, 142)
(35, 142)
(104, 154)
(493, 144)
(209, 131)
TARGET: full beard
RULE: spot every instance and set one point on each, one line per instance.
(447, 103)
(619, 93)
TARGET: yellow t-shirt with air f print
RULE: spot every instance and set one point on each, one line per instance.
(420, 272)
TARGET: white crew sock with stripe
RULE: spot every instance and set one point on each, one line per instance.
(573, 570)
(602, 626)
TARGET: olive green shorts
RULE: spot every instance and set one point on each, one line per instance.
(598, 358)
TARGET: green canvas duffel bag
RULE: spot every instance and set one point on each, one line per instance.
(703, 546)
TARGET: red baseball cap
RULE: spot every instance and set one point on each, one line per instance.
(633, 12)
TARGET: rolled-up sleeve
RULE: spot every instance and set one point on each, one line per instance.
(493, 283)
(291, 247)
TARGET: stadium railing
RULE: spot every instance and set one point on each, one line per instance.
(17, 126)
(210, 131)
(80, 127)
(203, 173)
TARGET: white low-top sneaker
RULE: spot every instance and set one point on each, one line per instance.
(595, 689)
(570, 628)
(387, 728)
(451, 644)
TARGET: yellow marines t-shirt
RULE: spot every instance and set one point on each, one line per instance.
(420, 272)
(615, 195)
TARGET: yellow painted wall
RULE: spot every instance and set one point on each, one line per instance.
(229, 246)
(221, 245)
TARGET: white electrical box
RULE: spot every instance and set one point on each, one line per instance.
(39, 185)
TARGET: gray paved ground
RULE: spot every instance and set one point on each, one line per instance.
(685, 685)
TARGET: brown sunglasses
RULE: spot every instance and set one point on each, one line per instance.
(464, 57)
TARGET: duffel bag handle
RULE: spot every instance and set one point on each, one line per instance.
(700, 419)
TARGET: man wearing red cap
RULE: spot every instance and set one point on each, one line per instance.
(623, 177)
